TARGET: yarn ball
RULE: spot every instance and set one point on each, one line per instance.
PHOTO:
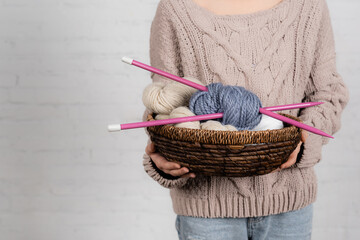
(180, 112)
(268, 123)
(240, 106)
(184, 112)
(215, 125)
(162, 116)
(163, 97)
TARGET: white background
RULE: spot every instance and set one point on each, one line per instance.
(63, 176)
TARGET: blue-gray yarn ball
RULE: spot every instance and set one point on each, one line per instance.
(240, 106)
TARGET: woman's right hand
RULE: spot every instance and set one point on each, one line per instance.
(171, 168)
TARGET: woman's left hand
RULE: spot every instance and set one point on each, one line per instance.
(293, 155)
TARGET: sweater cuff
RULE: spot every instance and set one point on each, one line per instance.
(162, 178)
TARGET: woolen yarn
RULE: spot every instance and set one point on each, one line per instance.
(240, 106)
(163, 97)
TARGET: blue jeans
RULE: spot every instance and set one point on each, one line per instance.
(294, 225)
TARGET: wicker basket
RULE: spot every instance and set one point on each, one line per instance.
(226, 153)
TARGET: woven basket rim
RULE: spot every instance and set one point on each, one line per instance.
(242, 137)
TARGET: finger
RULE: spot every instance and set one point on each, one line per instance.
(150, 148)
(276, 170)
(189, 175)
(162, 163)
(304, 136)
(288, 164)
(292, 158)
(179, 172)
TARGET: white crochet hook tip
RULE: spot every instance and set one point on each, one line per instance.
(127, 60)
(114, 128)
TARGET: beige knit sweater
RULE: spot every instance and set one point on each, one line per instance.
(284, 55)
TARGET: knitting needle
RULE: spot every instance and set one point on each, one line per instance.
(295, 123)
(118, 127)
(203, 88)
(292, 106)
(162, 73)
(267, 111)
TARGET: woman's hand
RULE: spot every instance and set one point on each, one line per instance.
(293, 155)
(171, 168)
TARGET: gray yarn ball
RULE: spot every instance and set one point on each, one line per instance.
(240, 106)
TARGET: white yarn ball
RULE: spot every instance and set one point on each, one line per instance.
(184, 112)
(162, 98)
(162, 116)
(215, 125)
(180, 112)
(268, 123)
(231, 128)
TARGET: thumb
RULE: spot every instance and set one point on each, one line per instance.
(152, 147)
(304, 136)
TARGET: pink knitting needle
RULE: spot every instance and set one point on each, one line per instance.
(165, 74)
(203, 88)
(118, 127)
(292, 106)
(295, 123)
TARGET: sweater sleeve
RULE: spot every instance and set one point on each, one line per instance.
(324, 85)
(164, 55)
(165, 180)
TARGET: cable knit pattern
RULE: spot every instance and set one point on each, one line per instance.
(284, 55)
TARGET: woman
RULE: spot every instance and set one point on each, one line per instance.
(283, 51)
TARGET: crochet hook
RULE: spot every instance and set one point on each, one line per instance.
(203, 88)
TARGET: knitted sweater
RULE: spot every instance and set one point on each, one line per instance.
(284, 55)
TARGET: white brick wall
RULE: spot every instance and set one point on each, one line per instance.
(63, 176)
